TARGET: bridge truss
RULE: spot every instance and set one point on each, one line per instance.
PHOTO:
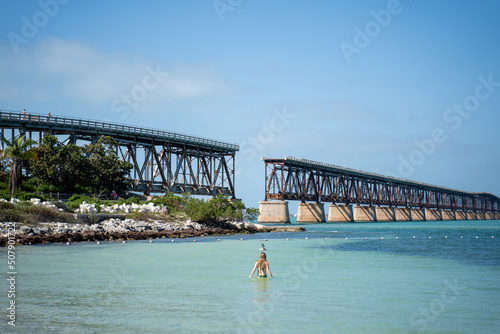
(162, 161)
(305, 180)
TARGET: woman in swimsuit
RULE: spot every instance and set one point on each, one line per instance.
(262, 265)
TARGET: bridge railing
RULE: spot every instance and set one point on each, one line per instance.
(72, 122)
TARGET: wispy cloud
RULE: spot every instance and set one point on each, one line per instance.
(56, 68)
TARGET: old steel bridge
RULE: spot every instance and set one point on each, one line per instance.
(162, 161)
(305, 180)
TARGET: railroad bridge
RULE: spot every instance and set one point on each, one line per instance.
(162, 161)
(358, 196)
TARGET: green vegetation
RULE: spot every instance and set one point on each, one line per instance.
(91, 169)
(19, 152)
(217, 209)
(174, 203)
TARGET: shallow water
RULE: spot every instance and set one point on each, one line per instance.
(344, 278)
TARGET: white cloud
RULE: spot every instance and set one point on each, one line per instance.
(66, 69)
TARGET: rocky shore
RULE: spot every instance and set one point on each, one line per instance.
(126, 229)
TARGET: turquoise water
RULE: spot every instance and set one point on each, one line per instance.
(323, 284)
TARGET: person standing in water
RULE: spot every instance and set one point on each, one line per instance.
(262, 265)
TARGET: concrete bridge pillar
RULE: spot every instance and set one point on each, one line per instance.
(490, 215)
(274, 212)
(385, 214)
(471, 215)
(341, 213)
(364, 214)
(402, 214)
(417, 215)
(311, 213)
(497, 215)
(448, 215)
(480, 216)
(461, 215)
(433, 214)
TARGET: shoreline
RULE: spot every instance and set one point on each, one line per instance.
(126, 230)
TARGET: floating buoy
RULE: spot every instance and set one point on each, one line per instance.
(241, 238)
(218, 239)
(477, 237)
(430, 237)
(461, 237)
(172, 240)
(123, 241)
(194, 240)
(397, 237)
(366, 238)
(307, 238)
(413, 237)
(97, 242)
(345, 238)
(287, 239)
(150, 241)
(492, 237)
(67, 243)
(381, 237)
(326, 238)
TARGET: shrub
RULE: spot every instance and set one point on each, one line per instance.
(251, 214)
(173, 202)
(75, 201)
(128, 201)
(214, 210)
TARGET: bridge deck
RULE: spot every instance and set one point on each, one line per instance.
(58, 124)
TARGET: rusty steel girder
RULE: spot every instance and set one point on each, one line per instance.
(304, 180)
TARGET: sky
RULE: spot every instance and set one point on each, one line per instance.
(407, 88)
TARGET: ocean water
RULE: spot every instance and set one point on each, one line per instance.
(414, 277)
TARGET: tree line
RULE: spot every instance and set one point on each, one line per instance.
(52, 166)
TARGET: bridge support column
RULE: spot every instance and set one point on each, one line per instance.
(402, 214)
(433, 214)
(364, 214)
(385, 214)
(461, 215)
(417, 215)
(341, 213)
(490, 215)
(471, 215)
(481, 216)
(497, 215)
(311, 213)
(449, 215)
(273, 212)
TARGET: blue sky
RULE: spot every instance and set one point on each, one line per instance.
(406, 88)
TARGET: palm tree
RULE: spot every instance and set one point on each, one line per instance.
(17, 150)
